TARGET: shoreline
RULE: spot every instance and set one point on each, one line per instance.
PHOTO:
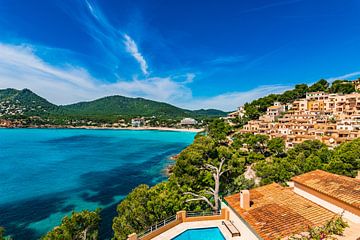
(196, 130)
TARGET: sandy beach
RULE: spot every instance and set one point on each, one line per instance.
(147, 128)
(119, 128)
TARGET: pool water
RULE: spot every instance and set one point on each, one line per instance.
(201, 234)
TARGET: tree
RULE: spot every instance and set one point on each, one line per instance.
(342, 86)
(321, 85)
(79, 226)
(304, 157)
(218, 129)
(346, 159)
(145, 206)
(2, 232)
(276, 146)
(216, 172)
(257, 143)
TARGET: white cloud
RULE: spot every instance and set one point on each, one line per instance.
(21, 68)
(132, 48)
(227, 60)
(348, 76)
(230, 101)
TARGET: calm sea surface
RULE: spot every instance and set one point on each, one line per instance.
(47, 173)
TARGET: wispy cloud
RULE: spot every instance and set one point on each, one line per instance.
(270, 5)
(260, 59)
(227, 60)
(229, 101)
(348, 76)
(107, 37)
(132, 48)
(21, 67)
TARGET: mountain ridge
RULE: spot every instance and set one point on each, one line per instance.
(27, 103)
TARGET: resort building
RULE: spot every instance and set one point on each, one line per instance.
(330, 118)
(137, 122)
(273, 211)
(188, 122)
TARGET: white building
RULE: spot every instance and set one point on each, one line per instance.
(188, 121)
(137, 122)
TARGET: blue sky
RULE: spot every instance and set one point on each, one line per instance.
(194, 54)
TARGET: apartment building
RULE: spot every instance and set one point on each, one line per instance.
(330, 118)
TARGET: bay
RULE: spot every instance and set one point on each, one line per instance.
(47, 173)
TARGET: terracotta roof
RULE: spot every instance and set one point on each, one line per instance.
(278, 212)
(343, 188)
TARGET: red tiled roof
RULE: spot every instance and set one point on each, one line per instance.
(343, 188)
(278, 212)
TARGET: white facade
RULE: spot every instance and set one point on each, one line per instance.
(188, 121)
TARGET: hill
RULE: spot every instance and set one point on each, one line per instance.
(124, 106)
(24, 102)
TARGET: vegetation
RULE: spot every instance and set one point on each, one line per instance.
(28, 107)
(79, 226)
(2, 233)
(211, 167)
(193, 175)
(335, 226)
(308, 156)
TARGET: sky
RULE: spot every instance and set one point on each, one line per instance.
(193, 54)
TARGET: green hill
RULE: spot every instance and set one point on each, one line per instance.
(27, 103)
(124, 106)
(24, 102)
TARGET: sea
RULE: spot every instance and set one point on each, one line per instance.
(45, 174)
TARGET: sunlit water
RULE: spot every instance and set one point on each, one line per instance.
(47, 173)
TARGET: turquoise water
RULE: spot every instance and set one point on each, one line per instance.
(47, 173)
(201, 234)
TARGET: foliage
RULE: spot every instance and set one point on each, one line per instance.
(308, 156)
(2, 233)
(218, 129)
(345, 159)
(341, 86)
(321, 85)
(104, 110)
(144, 206)
(276, 146)
(335, 226)
(79, 226)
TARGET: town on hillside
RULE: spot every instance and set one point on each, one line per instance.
(332, 118)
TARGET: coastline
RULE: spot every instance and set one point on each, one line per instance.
(196, 130)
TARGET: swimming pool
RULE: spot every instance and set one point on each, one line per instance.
(201, 234)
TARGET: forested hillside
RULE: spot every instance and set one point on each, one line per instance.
(17, 103)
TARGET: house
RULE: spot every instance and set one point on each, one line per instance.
(239, 113)
(277, 212)
(357, 84)
(339, 194)
(137, 122)
(274, 111)
(188, 122)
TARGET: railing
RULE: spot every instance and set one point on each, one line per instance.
(199, 214)
(157, 226)
(173, 218)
